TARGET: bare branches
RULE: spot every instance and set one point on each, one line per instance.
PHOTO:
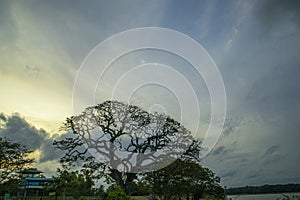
(13, 157)
(126, 138)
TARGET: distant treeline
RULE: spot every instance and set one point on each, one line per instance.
(264, 189)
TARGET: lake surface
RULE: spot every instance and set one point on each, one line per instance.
(260, 196)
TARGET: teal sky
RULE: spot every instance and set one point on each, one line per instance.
(255, 45)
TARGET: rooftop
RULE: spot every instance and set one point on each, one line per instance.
(31, 171)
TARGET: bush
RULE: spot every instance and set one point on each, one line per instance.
(116, 193)
(289, 197)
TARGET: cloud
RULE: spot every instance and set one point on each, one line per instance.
(2, 118)
(256, 144)
(261, 76)
(48, 167)
(253, 174)
(49, 152)
(52, 39)
(272, 155)
(231, 124)
(228, 174)
(276, 92)
(219, 150)
(271, 150)
(272, 12)
(272, 159)
(32, 71)
(17, 129)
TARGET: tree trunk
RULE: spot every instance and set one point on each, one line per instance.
(187, 196)
(123, 181)
(117, 176)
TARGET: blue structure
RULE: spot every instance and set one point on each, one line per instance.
(31, 182)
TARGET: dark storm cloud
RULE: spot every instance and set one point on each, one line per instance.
(19, 130)
(277, 92)
(2, 118)
(262, 66)
(272, 12)
(49, 152)
(260, 69)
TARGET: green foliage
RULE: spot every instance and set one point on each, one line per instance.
(289, 197)
(9, 187)
(73, 184)
(99, 192)
(140, 188)
(287, 188)
(116, 193)
(13, 158)
(184, 178)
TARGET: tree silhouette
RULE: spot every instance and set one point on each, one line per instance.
(13, 158)
(118, 141)
(184, 179)
(75, 184)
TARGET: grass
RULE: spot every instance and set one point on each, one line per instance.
(138, 198)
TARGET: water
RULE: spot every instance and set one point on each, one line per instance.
(261, 196)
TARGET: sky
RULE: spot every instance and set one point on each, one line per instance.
(254, 44)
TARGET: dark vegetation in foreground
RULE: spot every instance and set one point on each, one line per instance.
(183, 179)
(264, 189)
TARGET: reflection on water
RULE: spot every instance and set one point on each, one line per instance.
(261, 196)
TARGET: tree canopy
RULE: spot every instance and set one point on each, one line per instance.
(184, 178)
(117, 140)
(75, 184)
(263, 189)
(13, 158)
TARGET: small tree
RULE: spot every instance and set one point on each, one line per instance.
(116, 193)
(184, 178)
(73, 184)
(13, 158)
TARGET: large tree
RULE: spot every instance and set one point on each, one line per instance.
(13, 158)
(118, 140)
